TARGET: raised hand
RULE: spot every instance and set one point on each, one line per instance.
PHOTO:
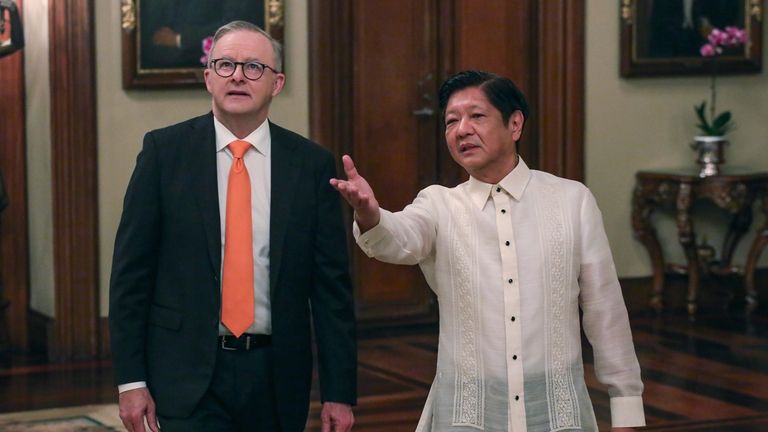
(358, 193)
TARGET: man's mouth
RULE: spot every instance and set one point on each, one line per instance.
(237, 93)
(465, 147)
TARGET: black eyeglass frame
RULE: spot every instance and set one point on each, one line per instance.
(264, 67)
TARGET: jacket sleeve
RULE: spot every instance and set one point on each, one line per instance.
(331, 297)
(134, 267)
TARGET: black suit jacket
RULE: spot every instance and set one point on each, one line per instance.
(165, 287)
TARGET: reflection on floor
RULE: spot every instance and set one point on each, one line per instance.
(711, 375)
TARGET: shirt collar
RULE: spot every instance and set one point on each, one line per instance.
(260, 138)
(513, 183)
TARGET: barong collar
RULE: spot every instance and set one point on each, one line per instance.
(513, 183)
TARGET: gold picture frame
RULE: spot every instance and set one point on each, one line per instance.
(162, 39)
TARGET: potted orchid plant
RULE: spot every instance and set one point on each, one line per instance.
(712, 124)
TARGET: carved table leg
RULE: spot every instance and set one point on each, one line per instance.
(760, 242)
(738, 227)
(646, 234)
(687, 240)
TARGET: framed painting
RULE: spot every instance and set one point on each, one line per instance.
(162, 40)
(664, 37)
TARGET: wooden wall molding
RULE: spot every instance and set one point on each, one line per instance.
(330, 95)
(74, 178)
(561, 65)
(14, 246)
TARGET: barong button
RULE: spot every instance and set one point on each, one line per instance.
(506, 242)
(517, 397)
(510, 280)
(512, 319)
(503, 211)
(498, 189)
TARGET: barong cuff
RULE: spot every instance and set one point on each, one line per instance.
(627, 411)
(369, 238)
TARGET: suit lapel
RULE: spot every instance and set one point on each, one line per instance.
(285, 173)
(203, 150)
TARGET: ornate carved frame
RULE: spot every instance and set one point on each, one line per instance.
(134, 76)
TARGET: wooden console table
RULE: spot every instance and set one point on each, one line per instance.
(734, 192)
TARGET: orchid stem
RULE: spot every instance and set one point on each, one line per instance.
(713, 93)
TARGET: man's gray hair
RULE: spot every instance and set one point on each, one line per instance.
(234, 26)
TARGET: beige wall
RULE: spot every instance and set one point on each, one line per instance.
(38, 129)
(124, 116)
(636, 124)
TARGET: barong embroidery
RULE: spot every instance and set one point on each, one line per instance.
(557, 240)
(469, 395)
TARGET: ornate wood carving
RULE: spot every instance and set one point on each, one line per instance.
(74, 172)
(761, 241)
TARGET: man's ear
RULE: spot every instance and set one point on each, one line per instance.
(206, 78)
(515, 124)
(277, 84)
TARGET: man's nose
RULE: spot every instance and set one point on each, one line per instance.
(239, 74)
(464, 127)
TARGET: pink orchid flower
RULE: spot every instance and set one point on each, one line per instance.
(207, 45)
(708, 50)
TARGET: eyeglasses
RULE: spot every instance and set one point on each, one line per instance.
(252, 70)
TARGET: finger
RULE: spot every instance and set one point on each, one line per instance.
(139, 425)
(128, 425)
(326, 424)
(349, 167)
(344, 424)
(134, 424)
(152, 419)
(347, 189)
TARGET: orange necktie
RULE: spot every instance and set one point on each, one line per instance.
(237, 282)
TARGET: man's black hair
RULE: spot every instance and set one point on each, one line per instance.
(500, 91)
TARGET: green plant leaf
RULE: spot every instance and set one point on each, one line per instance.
(700, 109)
(721, 122)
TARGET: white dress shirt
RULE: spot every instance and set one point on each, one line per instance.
(511, 264)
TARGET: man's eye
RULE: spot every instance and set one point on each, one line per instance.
(253, 67)
(226, 64)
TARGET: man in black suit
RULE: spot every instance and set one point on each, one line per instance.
(169, 344)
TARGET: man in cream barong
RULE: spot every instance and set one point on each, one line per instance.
(512, 255)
